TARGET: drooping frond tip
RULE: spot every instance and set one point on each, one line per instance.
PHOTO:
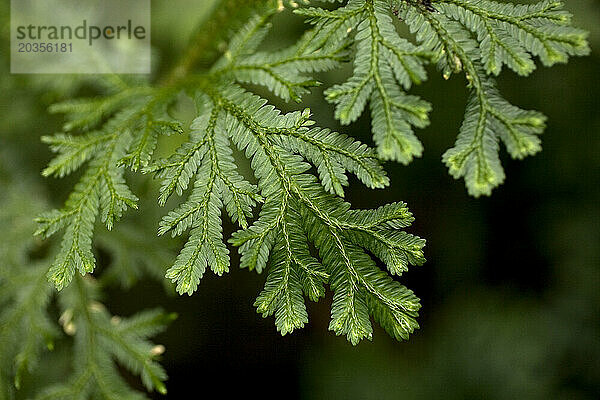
(477, 37)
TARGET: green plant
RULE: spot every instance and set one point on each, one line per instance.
(293, 220)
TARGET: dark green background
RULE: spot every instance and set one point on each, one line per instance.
(510, 291)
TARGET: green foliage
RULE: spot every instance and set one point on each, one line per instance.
(25, 326)
(28, 323)
(385, 64)
(102, 339)
(293, 220)
(305, 235)
(128, 138)
(478, 37)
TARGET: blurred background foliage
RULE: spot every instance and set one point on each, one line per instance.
(510, 292)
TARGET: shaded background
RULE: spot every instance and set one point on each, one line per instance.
(510, 292)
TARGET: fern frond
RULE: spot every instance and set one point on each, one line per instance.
(102, 339)
(101, 190)
(128, 137)
(488, 119)
(478, 37)
(293, 221)
(385, 64)
(280, 148)
(28, 326)
(26, 329)
(510, 34)
(285, 72)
